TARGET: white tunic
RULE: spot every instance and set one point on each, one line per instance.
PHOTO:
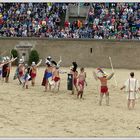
(132, 86)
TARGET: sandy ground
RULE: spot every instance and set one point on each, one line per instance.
(34, 113)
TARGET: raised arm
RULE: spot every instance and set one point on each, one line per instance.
(38, 64)
(110, 76)
(12, 60)
(58, 63)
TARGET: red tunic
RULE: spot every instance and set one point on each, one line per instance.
(104, 89)
(56, 79)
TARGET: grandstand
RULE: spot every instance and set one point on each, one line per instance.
(70, 20)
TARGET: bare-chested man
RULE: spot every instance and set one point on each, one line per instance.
(81, 82)
(75, 76)
(20, 71)
(33, 71)
(6, 66)
(56, 78)
(104, 87)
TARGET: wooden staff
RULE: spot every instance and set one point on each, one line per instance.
(96, 78)
(113, 70)
(59, 61)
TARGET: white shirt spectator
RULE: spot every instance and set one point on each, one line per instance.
(28, 12)
(96, 37)
(100, 37)
(17, 12)
(96, 21)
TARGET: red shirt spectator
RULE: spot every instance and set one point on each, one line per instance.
(66, 24)
(113, 20)
(120, 27)
(1, 21)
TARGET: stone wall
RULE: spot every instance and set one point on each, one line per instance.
(86, 52)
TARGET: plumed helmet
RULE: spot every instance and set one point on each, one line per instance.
(33, 64)
(21, 61)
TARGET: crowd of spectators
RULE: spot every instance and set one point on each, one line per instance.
(115, 21)
(30, 19)
(109, 21)
(104, 21)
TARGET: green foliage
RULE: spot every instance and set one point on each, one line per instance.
(15, 54)
(33, 56)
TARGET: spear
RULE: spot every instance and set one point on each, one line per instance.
(113, 70)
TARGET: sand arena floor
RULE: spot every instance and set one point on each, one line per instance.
(34, 113)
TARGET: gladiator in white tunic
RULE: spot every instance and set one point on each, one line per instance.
(132, 87)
